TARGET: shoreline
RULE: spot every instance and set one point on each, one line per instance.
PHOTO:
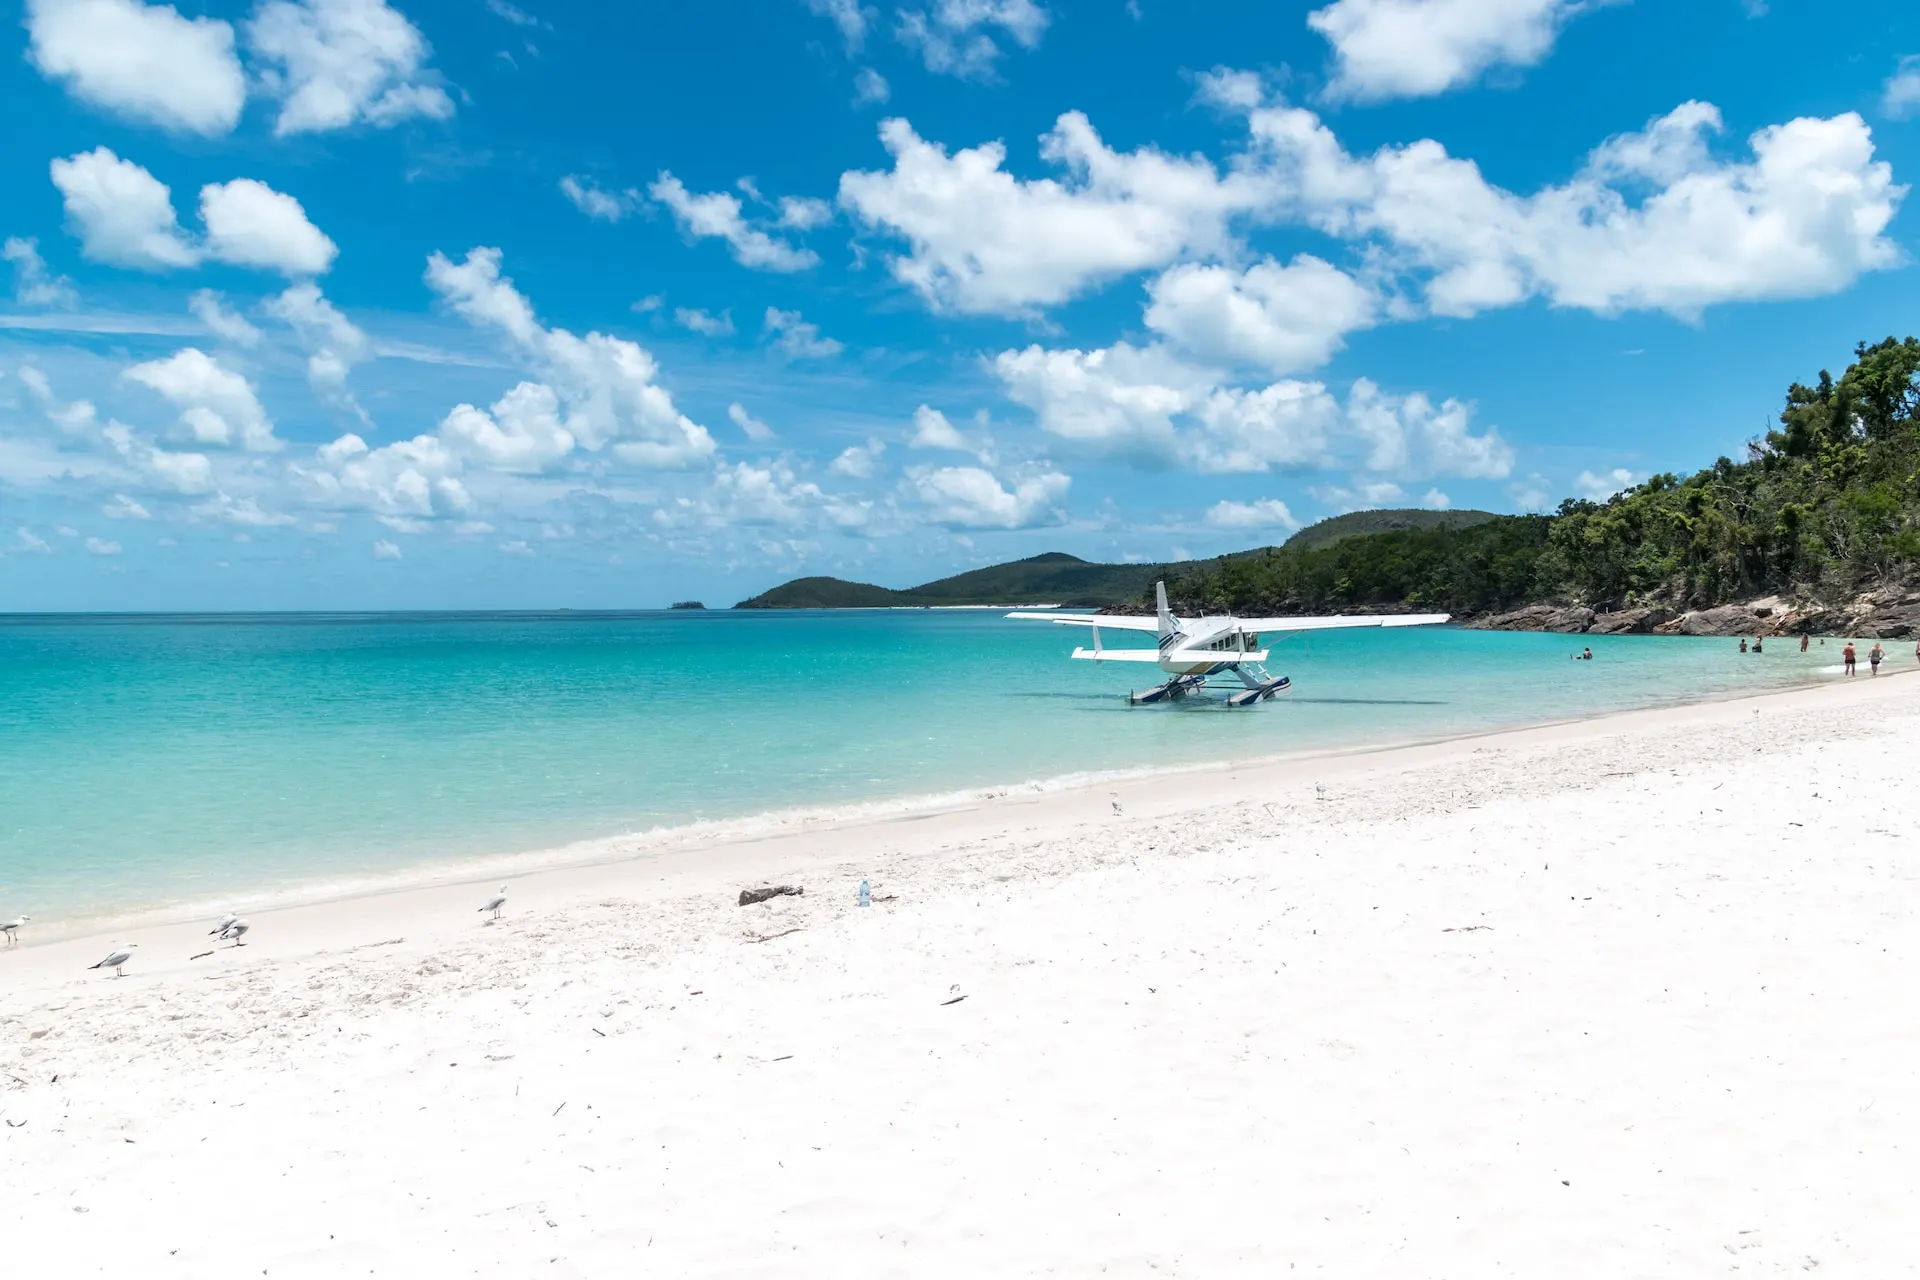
(753, 847)
(686, 838)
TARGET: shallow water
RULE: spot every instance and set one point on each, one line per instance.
(147, 760)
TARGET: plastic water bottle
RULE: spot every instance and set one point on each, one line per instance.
(866, 894)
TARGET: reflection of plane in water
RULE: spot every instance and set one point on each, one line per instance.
(1191, 649)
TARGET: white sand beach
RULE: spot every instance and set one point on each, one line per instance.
(1627, 997)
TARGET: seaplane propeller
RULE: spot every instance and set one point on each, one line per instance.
(1193, 649)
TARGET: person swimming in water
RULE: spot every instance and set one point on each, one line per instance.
(1743, 644)
(1756, 644)
(1803, 642)
(1585, 655)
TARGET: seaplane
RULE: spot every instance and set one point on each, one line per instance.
(1193, 650)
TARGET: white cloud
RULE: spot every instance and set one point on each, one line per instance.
(1599, 487)
(1145, 404)
(409, 479)
(522, 434)
(848, 15)
(124, 217)
(1121, 398)
(1532, 493)
(608, 387)
(1434, 500)
(952, 40)
(518, 17)
(797, 338)
(77, 418)
(1285, 425)
(870, 87)
(334, 343)
(1805, 216)
(385, 550)
(1411, 438)
(249, 224)
(210, 309)
(1901, 96)
(1265, 513)
(145, 62)
(973, 498)
(124, 508)
(859, 461)
(1284, 319)
(932, 430)
(334, 63)
(804, 213)
(122, 214)
(174, 471)
(33, 284)
(1365, 495)
(983, 241)
(217, 406)
(25, 539)
(102, 547)
(1418, 48)
(701, 323)
(750, 426)
(246, 512)
(589, 198)
(717, 215)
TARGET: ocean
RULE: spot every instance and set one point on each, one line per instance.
(161, 763)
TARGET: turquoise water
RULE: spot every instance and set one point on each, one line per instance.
(154, 760)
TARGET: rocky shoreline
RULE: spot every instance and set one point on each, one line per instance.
(1889, 614)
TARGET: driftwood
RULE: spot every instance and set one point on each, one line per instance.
(750, 896)
(771, 936)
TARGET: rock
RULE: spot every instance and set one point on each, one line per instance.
(1727, 620)
(1562, 619)
(1627, 622)
(750, 896)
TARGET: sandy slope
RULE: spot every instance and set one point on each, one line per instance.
(1625, 998)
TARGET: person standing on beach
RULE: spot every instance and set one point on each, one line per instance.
(1846, 656)
(1874, 655)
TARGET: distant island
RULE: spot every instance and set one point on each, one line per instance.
(686, 604)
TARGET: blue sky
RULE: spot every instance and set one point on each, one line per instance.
(343, 303)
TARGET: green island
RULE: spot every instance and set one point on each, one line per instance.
(1817, 529)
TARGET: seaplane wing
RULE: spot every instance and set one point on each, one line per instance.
(1256, 626)
(1113, 622)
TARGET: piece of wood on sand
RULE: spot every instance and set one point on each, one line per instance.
(750, 896)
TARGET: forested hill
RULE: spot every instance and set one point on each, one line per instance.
(1325, 533)
(1823, 513)
(1054, 578)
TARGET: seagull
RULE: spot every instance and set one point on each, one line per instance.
(12, 929)
(226, 923)
(117, 957)
(1319, 791)
(235, 930)
(496, 902)
(1115, 797)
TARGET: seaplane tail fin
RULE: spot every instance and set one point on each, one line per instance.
(1168, 624)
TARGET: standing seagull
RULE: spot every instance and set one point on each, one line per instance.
(12, 929)
(1115, 797)
(226, 923)
(235, 930)
(496, 902)
(115, 958)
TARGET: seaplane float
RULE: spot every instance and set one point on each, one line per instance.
(1193, 650)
